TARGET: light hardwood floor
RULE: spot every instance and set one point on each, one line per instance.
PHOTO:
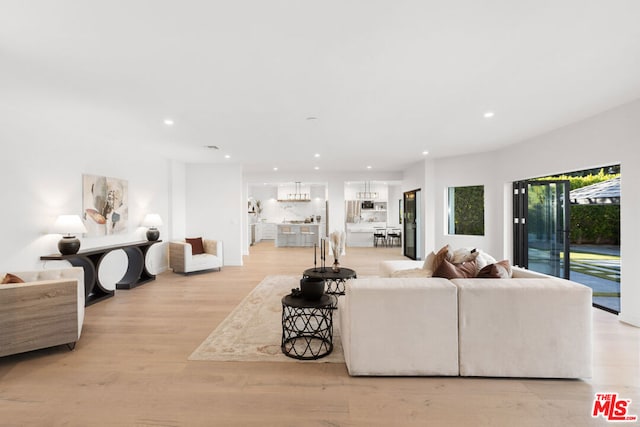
(130, 368)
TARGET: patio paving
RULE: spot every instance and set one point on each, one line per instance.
(601, 275)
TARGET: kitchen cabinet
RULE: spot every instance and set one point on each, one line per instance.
(361, 235)
(258, 232)
(267, 231)
(294, 235)
(355, 214)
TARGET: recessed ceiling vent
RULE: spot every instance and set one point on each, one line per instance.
(212, 147)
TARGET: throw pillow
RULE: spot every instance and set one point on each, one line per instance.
(11, 278)
(498, 270)
(463, 255)
(448, 270)
(443, 254)
(484, 259)
(428, 261)
(197, 247)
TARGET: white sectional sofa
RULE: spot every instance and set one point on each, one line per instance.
(530, 325)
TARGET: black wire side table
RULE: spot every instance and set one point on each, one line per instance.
(334, 281)
(307, 327)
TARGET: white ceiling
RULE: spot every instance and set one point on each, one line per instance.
(385, 80)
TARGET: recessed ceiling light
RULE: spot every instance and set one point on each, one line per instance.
(316, 155)
(317, 167)
(275, 169)
(369, 167)
(425, 152)
(489, 114)
(227, 156)
(168, 122)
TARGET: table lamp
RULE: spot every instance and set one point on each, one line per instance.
(68, 226)
(152, 220)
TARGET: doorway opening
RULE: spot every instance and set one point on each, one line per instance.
(569, 226)
(411, 224)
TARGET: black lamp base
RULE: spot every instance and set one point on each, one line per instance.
(153, 234)
(69, 245)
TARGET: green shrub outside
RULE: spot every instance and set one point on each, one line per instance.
(469, 210)
(598, 224)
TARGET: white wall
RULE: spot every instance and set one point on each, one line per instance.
(216, 207)
(609, 138)
(393, 207)
(177, 200)
(41, 178)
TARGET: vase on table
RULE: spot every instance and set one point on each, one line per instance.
(312, 288)
(336, 266)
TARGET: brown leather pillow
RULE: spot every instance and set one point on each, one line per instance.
(499, 270)
(11, 278)
(196, 245)
(466, 270)
(443, 254)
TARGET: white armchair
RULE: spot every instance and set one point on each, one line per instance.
(182, 259)
(45, 311)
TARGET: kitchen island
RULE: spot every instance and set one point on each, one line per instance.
(361, 234)
(296, 234)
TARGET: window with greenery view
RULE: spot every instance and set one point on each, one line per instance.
(466, 210)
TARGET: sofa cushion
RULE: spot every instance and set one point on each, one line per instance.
(498, 270)
(399, 326)
(524, 328)
(412, 272)
(11, 278)
(387, 268)
(197, 247)
(449, 270)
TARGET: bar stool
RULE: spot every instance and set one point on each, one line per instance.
(380, 236)
(288, 234)
(308, 236)
(394, 236)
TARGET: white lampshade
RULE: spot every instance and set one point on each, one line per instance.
(152, 220)
(68, 224)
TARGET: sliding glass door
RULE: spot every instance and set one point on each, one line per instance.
(541, 226)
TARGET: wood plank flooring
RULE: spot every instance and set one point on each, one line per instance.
(130, 368)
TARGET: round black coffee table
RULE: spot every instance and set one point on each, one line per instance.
(334, 281)
(307, 327)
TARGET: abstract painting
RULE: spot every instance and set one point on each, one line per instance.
(105, 205)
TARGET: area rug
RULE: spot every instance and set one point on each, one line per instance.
(253, 330)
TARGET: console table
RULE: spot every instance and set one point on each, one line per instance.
(91, 259)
